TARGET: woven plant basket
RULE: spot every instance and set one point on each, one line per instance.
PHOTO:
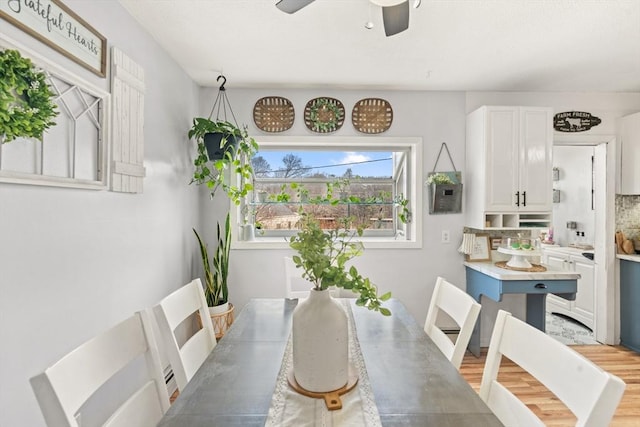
(221, 322)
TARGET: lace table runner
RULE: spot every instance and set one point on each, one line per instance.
(289, 408)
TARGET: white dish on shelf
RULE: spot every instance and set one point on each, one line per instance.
(519, 256)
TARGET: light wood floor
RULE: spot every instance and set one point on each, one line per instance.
(614, 359)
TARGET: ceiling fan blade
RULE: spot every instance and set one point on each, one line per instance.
(292, 6)
(395, 18)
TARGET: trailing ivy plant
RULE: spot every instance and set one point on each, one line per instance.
(26, 101)
(215, 173)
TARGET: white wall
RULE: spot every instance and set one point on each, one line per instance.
(75, 262)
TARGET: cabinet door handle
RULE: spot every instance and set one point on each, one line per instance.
(517, 198)
(524, 198)
(540, 286)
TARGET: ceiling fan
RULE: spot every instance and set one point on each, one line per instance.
(395, 13)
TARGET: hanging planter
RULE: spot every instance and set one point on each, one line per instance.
(26, 101)
(219, 137)
(222, 147)
(445, 188)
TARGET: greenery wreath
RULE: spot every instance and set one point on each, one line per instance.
(325, 115)
(26, 105)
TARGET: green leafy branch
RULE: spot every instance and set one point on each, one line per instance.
(323, 257)
(26, 101)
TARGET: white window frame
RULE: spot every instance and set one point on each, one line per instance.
(413, 147)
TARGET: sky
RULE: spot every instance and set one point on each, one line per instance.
(362, 163)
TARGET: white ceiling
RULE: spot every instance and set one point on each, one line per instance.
(470, 45)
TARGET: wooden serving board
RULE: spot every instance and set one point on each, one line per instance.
(534, 267)
(331, 398)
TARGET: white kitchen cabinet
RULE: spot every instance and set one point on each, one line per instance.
(583, 307)
(508, 168)
(629, 154)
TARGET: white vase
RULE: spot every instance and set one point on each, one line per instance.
(248, 233)
(320, 343)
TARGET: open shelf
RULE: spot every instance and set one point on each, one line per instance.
(517, 220)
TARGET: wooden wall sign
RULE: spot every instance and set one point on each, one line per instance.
(574, 121)
(60, 28)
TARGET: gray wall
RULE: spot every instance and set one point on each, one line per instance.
(75, 262)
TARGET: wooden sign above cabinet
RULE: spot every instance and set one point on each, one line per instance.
(574, 121)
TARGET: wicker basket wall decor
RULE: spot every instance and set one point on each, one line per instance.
(324, 115)
(372, 115)
(273, 114)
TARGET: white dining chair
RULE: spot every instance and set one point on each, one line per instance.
(170, 312)
(295, 285)
(591, 393)
(62, 389)
(459, 306)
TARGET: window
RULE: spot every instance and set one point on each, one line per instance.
(368, 178)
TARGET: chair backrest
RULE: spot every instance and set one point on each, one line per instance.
(295, 285)
(591, 393)
(170, 313)
(462, 308)
(63, 388)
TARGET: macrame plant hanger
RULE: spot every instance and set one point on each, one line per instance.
(221, 104)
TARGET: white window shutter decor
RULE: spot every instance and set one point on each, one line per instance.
(127, 93)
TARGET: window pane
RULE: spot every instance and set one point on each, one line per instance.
(325, 164)
(362, 180)
(369, 204)
(365, 179)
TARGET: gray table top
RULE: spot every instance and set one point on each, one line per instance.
(413, 383)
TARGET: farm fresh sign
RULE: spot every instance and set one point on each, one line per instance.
(574, 121)
(54, 24)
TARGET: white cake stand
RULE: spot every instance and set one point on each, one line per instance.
(519, 256)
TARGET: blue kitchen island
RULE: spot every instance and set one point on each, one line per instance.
(630, 301)
(485, 278)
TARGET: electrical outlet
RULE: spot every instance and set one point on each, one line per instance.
(446, 238)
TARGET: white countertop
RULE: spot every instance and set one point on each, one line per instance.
(635, 258)
(491, 270)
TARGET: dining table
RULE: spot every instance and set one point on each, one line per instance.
(412, 382)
